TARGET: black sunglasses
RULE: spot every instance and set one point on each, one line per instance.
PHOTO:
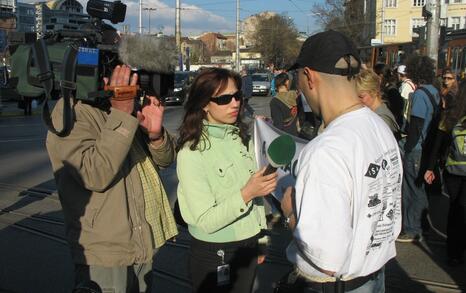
(226, 99)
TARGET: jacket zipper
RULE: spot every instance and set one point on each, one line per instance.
(138, 220)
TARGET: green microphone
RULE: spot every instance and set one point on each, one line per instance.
(280, 153)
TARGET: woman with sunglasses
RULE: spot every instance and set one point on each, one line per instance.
(220, 192)
(449, 86)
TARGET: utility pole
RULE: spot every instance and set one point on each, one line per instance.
(177, 27)
(140, 17)
(433, 29)
(150, 12)
(178, 34)
(238, 60)
(383, 21)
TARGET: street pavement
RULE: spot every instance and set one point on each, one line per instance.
(34, 256)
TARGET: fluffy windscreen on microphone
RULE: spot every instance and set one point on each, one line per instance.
(281, 151)
(153, 54)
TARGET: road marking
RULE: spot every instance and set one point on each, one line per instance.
(21, 125)
(22, 139)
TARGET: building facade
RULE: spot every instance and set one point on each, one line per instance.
(196, 49)
(249, 26)
(25, 17)
(59, 14)
(7, 14)
(7, 22)
(395, 19)
(214, 43)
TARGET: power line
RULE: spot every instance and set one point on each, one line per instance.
(299, 8)
(305, 15)
(221, 2)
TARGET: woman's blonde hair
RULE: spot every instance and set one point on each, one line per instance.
(368, 81)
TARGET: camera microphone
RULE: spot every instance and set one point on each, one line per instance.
(149, 53)
(280, 153)
(153, 59)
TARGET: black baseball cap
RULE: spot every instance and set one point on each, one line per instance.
(322, 51)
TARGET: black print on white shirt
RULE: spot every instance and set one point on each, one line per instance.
(372, 171)
(390, 214)
(384, 164)
(373, 201)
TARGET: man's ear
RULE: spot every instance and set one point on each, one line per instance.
(310, 77)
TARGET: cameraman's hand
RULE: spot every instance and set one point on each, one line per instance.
(259, 185)
(121, 76)
(151, 118)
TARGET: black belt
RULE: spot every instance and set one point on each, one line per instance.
(337, 286)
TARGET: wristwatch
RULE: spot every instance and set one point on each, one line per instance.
(288, 219)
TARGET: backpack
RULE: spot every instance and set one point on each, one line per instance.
(429, 139)
(456, 160)
(25, 72)
(434, 122)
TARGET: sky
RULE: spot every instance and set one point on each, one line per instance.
(198, 16)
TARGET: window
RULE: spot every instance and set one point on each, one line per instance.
(419, 3)
(415, 23)
(443, 21)
(390, 3)
(455, 23)
(389, 27)
(456, 1)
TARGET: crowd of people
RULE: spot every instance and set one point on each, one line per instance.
(360, 182)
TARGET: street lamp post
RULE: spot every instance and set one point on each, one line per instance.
(238, 60)
(150, 9)
(307, 18)
(140, 17)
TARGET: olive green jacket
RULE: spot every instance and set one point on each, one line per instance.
(99, 187)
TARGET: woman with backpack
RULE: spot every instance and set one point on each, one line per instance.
(453, 129)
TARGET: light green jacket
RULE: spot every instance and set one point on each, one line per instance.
(210, 181)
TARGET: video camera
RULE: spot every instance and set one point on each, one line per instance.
(71, 64)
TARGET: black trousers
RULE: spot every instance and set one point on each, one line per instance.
(27, 106)
(456, 227)
(240, 255)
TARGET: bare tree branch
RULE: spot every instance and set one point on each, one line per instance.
(276, 40)
(341, 15)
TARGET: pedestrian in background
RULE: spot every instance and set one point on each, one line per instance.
(449, 86)
(391, 94)
(246, 89)
(273, 86)
(283, 107)
(452, 130)
(220, 189)
(116, 211)
(406, 88)
(423, 112)
(368, 88)
(26, 104)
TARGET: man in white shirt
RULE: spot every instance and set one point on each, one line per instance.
(346, 208)
(407, 87)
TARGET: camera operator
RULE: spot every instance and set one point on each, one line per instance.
(115, 207)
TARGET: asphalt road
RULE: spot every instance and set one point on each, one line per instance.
(34, 256)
